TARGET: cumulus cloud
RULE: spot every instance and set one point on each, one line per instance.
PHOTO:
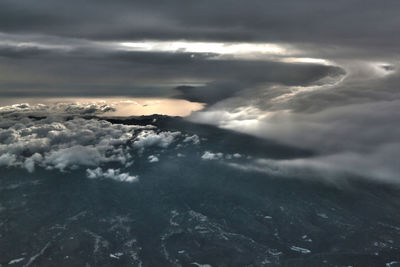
(60, 141)
(212, 156)
(74, 156)
(192, 139)
(114, 174)
(153, 158)
(58, 108)
(66, 141)
(7, 159)
(31, 161)
(148, 138)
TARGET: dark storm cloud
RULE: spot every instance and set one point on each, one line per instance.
(253, 75)
(378, 84)
(66, 47)
(210, 94)
(353, 22)
(353, 124)
(34, 70)
(13, 52)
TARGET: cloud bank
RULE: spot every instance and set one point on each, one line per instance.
(353, 124)
(64, 140)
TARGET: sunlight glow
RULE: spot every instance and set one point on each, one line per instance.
(204, 47)
(225, 51)
(124, 106)
(306, 60)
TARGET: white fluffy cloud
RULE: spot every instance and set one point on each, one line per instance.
(153, 159)
(212, 156)
(63, 143)
(58, 137)
(192, 139)
(149, 138)
(114, 174)
(56, 108)
(237, 155)
(7, 159)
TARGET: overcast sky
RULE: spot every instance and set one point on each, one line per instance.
(322, 75)
(68, 48)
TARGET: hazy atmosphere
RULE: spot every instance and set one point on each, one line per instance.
(199, 133)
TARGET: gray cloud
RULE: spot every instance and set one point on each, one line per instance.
(56, 59)
(355, 22)
(77, 70)
(58, 108)
(379, 165)
(353, 132)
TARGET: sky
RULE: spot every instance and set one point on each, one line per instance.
(312, 74)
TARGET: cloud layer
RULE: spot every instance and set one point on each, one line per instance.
(353, 125)
(66, 141)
